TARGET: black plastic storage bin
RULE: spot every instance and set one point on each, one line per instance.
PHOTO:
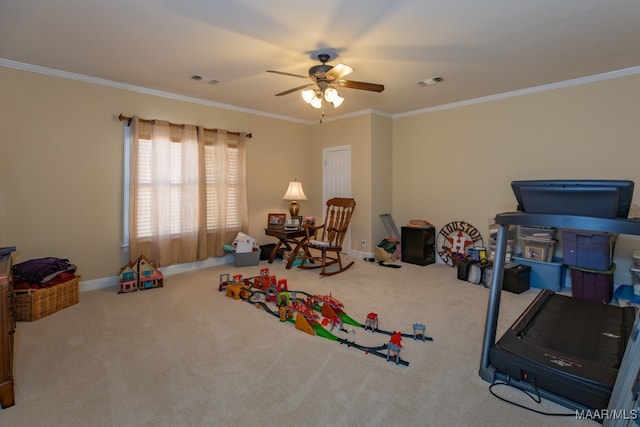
(516, 278)
(417, 245)
(265, 251)
(463, 268)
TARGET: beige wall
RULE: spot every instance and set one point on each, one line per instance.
(381, 177)
(356, 132)
(457, 164)
(61, 160)
(61, 165)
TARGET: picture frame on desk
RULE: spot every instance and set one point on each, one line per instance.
(276, 221)
(535, 252)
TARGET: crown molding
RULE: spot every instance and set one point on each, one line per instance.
(527, 91)
(140, 89)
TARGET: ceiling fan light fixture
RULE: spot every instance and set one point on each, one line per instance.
(308, 95)
(330, 94)
(337, 101)
(316, 102)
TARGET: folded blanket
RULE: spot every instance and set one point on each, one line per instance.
(60, 278)
(42, 270)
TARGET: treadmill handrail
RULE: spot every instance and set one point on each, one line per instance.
(629, 226)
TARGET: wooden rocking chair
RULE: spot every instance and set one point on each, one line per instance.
(329, 241)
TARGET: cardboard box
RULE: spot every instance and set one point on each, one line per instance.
(243, 240)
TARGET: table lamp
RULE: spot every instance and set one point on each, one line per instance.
(294, 193)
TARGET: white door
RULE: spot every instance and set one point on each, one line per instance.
(336, 178)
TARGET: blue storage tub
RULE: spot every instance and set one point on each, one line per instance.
(625, 296)
(545, 274)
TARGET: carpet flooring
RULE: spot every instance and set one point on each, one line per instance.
(187, 355)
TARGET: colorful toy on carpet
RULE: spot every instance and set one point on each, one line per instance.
(312, 313)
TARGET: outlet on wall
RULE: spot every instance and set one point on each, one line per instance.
(363, 243)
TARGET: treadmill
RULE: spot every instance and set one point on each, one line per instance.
(568, 346)
(567, 350)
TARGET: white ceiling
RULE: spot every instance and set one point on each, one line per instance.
(480, 47)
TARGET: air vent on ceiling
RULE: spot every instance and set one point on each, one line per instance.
(430, 82)
(204, 79)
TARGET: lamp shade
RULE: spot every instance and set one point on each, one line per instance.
(294, 192)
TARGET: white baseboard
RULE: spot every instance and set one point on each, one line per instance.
(112, 281)
(360, 254)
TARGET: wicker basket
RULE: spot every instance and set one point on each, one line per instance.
(34, 304)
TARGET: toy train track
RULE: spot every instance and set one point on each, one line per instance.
(382, 331)
(376, 351)
(312, 312)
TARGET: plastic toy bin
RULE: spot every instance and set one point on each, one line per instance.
(545, 274)
(592, 285)
(244, 259)
(590, 250)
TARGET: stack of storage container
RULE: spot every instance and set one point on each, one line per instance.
(627, 295)
(589, 256)
(537, 246)
(635, 273)
(516, 276)
(493, 237)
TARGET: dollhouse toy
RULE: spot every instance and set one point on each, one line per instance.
(128, 278)
(139, 275)
(148, 275)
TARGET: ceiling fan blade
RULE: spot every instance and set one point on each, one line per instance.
(338, 72)
(373, 87)
(287, 74)
(295, 89)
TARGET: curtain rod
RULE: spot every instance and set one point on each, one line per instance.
(122, 117)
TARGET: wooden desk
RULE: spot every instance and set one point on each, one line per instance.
(286, 239)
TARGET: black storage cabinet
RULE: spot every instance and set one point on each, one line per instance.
(418, 245)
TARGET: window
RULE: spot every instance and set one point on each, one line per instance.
(186, 191)
(231, 217)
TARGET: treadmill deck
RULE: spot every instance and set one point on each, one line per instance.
(567, 346)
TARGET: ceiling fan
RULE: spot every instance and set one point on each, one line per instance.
(324, 77)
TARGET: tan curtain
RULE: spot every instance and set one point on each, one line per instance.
(223, 170)
(182, 183)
